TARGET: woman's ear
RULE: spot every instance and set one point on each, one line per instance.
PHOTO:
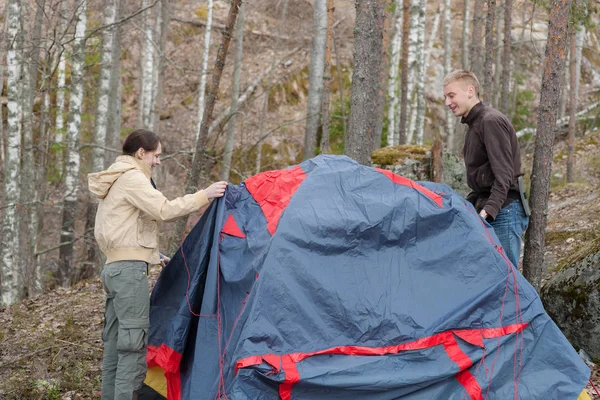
(139, 154)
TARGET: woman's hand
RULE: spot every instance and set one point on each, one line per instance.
(216, 190)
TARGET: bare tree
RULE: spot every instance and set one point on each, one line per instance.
(113, 137)
(576, 44)
(327, 80)
(368, 32)
(533, 260)
(315, 80)
(61, 73)
(199, 160)
(235, 93)
(393, 81)
(421, 107)
(204, 69)
(72, 160)
(506, 58)
(11, 260)
(488, 67)
(404, 93)
(147, 92)
(465, 34)
(413, 67)
(448, 68)
(476, 38)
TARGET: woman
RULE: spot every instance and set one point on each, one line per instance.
(127, 232)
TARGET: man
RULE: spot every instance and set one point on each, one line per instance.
(493, 160)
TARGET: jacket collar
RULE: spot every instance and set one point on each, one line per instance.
(473, 114)
(138, 164)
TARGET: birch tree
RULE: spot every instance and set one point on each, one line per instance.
(393, 81)
(554, 62)
(418, 104)
(412, 66)
(235, 93)
(162, 23)
(315, 80)
(366, 79)
(465, 34)
(498, 54)
(2, 49)
(204, 68)
(59, 125)
(11, 261)
(488, 67)
(113, 137)
(147, 93)
(506, 58)
(404, 94)
(72, 159)
(447, 69)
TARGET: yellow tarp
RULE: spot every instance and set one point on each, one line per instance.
(584, 396)
(155, 378)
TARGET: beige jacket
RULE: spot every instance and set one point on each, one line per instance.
(129, 210)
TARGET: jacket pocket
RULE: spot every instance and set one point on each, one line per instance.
(133, 334)
(485, 177)
(147, 233)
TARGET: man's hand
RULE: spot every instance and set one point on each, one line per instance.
(216, 190)
(483, 214)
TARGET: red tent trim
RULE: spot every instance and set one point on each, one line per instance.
(400, 180)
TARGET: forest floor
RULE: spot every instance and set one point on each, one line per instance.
(51, 348)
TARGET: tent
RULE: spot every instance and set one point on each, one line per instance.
(332, 280)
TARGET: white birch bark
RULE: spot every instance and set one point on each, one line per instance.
(2, 48)
(465, 34)
(61, 73)
(162, 24)
(417, 118)
(204, 69)
(578, 57)
(393, 78)
(11, 279)
(449, 117)
(146, 110)
(72, 157)
(413, 40)
(104, 86)
(315, 80)
(235, 92)
(113, 137)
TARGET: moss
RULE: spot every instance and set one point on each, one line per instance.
(590, 244)
(397, 154)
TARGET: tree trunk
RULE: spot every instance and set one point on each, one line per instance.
(341, 84)
(506, 59)
(498, 63)
(572, 105)
(113, 137)
(449, 117)
(11, 273)
(28, 177)
(235, 93)
(404, 94)
(476, 39)
(72, 159)
(465, 34)
(146, 105)
(199, 160)
(265, 109)
(327, 80)
(421, 108)
(204, 69)
(61, 90)
(393, 82)
(413, 67)
(368, 32)
(162, 24)
(2, 48)
(488, 66)
(315, 82)
(554, 62)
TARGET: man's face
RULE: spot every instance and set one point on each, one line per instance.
(460, 97)
(152, 158)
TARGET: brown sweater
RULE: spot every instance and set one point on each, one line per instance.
(492, 158)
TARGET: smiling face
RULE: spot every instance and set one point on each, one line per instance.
(460, 97)
(152, 158)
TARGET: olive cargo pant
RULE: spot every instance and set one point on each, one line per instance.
(125, 333)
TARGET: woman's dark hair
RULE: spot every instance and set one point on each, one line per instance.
(140, 138)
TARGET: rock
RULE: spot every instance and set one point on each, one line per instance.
(414, 162)
(572, 298)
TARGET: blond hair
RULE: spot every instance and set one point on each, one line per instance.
(462, 75)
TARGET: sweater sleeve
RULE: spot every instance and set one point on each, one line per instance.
(142, 195)
(496, 137)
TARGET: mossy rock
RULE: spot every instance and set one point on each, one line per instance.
(398, 154)
(572, 299)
